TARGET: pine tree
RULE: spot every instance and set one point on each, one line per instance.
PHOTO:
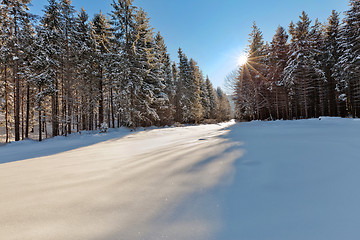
(26, 42)
(205, 101)
(348, 65)
(332, 54)
(102, 33)
(122, 19)
(189, 107)
(212, 98)
(224, 108)
(5, 63)
(17, 16)
(182, 102)
(86, 47)
(162, 70)
(302, 72)
(49, 35)
(278, 57)
(148, 88)
(193, 93)
(68, 62)
(250, 90)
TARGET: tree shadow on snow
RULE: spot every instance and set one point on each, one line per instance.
(27, 149)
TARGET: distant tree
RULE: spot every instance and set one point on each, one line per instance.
(224, 108)
(212, 96)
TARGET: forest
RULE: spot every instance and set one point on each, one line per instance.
(310, 70)
(63, 72)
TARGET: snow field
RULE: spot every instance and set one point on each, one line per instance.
(251, 181)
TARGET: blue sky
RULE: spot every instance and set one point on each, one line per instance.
(215, 32)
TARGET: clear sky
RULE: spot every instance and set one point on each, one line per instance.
(215, 32)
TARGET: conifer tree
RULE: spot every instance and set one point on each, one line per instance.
(194, 93)
(212, 98)
(17, 16)
(278, 57)
(348, 64)
(122, 19)
(224, 108)
(5, 63)
(162, 70)
(48, 37)
(249, 97)
(68, 62)
(302, 71)
(85, 45)
(332, 54)
(102, 33)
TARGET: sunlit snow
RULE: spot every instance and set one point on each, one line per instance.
(260, 180)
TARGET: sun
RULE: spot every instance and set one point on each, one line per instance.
(242, 59)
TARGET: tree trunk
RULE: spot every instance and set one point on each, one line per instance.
(40, 118)
(112, 108)
(6, 107)
(27, 110)
(101, 99)
(17, 87)
(22, 117)
(55, 110)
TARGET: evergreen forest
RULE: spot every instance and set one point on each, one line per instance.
(311, 69)
(64, 72)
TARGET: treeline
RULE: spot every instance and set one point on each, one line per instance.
(315, 73)
(65, 73)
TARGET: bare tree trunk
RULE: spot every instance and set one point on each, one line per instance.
(22, 117)
(112, 108)
(69, 115)
(101, 100)
(27, 110)
(55, 110)
(16, 82)
(277, 104)
(6, 107)
(40, 118)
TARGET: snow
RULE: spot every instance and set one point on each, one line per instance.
(253, 181)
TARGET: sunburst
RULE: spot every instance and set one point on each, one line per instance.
(242, 59)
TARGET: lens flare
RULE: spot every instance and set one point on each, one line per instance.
(242, 60)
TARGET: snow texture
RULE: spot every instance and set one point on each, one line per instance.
(260, 180)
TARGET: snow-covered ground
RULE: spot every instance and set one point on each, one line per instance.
(251, 181)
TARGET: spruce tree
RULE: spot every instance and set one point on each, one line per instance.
(48, 37)
(278, 57)
(302, 72)
(122, 19)
(68, 62)
(224, 108)
(102, 33)
(162, 70)
(17, 16)
(212, 98)
(194, 91)
(249, 98)
(332, 54)
(348, 64)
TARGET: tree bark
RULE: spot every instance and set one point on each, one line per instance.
(27, 110)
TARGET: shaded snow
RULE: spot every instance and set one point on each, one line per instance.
(252, 181)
